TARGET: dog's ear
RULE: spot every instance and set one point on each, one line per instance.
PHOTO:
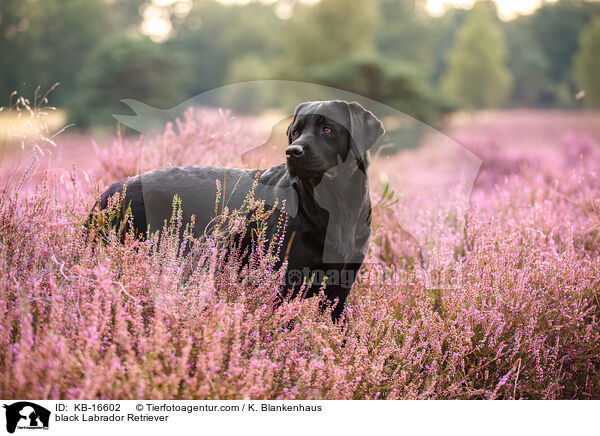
(365, 130)
(289, 132)
(364, 161)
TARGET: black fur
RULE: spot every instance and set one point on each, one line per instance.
(324, 183)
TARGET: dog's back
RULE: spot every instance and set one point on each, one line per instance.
(204, 193)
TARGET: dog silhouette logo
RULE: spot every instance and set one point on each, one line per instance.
(26, 415)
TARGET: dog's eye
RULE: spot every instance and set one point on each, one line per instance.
(327, 130)
(295, 133)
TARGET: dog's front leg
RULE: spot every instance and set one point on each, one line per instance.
(335, 298)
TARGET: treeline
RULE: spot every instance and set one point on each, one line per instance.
(390, 50)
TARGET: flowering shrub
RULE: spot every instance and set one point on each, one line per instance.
(507, 305)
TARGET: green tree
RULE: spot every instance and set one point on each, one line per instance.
(556, 27)
(404, 33)
(249, 99)
(214, 37)
(328, 30)
(442, 32)
(587, 63)
(122, 67)
(395, 83)
(532, 85)
(47, 41)
(477, 74)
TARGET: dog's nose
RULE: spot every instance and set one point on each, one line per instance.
(294, 150)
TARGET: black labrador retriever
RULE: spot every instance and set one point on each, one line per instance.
(323, 189)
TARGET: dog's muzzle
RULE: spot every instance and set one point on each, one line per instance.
(294, 151)
(301, 161)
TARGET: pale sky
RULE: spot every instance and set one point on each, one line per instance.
(506, 8)
(157, 25)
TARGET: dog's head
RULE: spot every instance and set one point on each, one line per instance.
(323, 130)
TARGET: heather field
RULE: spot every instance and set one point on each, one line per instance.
(503, 303)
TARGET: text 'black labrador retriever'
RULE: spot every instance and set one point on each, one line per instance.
(323, 188)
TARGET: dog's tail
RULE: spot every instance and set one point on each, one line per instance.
(105, 214)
